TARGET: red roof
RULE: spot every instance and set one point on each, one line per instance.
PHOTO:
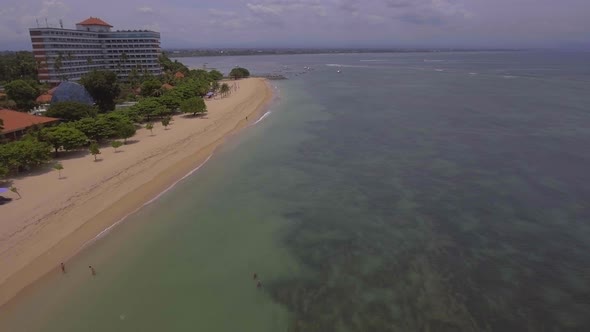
(179, 75)
(95, 21)
(44, 99)
(15, 121)
(167, 86)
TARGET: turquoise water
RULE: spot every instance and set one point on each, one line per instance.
(410, 192)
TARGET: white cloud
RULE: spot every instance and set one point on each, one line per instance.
(145, 10)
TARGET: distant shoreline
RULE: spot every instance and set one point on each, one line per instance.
(184, 53)
(53, 226)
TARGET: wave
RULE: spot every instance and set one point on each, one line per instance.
(262, 117)
(110, 228)
(372, 60)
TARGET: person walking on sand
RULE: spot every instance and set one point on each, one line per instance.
(92, 270)
(63, 268)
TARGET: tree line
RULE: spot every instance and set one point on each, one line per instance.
(158, 98)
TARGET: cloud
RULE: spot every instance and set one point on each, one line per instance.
(145, 10)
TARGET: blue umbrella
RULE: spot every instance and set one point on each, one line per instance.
(3, 190)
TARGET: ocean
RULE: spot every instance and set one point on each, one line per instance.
(407, 192)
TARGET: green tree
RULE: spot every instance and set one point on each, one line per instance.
(103, 87)
(215, 75)
(166, 122)
(125, 131)
(24, 154)
(94, 149)
(195, 105)
(150, 107)
(239, 72)
(15, 190)
(170, 100)
(23, 94)
(58, 167)
(3, 171)
(17, 65)
(150, 127)
(96, 129)
(71, 111)
(64, 136)
(149, 87)
(116, 145)
(224, 89)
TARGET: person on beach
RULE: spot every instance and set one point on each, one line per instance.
(259, 284)
(63, 268)
(92, 270)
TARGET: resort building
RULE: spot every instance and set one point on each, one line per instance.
(16, 123)
(67, 54)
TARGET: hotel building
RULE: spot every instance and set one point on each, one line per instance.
(67, 54)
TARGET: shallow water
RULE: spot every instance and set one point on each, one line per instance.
(410, 192)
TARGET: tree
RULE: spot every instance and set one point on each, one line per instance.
(71, 111)
(149, 87)
(116, 145)
(15, 190)
(23, 94)
(94, 149)
(58, 167)
(170, 100)
(96, 129)
(150, 107)
(125, 131)
(58, 64)
(17, 65)
(150, 127)
(24, 154)
(166, 122)
(224, 89)
(1, 124)
(239, 72)
(215, 75)
(3, 171)
(103, 87)
(64, 136)
(194, 105)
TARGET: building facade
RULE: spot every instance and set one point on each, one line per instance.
(67, 54)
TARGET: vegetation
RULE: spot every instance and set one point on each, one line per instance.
(17, 65)
(215, 75)
(116, 145)
(15, 190)
(150, 107)
(23, 155)
(94, 149)
(64, 137)
(58, 167)
(71, 111)
(23, 93)
(171, 66)
(239, 72)
(224, 90)
(150, 127)
(150, 88)
(195, 105)
(166, 122)
(1, 124)
(103, 87)
(125, 131)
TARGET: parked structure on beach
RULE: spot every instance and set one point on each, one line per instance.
(67, 54)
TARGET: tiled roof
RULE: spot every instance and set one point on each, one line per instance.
(15, 121)
(94, 21)
(44, 99)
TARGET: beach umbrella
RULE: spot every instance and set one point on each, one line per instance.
(3, 190)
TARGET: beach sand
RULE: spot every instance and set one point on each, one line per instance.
(56, 217)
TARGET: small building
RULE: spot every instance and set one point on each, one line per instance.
(178, 75)
(167, 86)
(16, 123)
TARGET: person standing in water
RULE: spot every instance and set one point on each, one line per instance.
(259, 284)
(92, 270)
(63, 268)
(255, 276)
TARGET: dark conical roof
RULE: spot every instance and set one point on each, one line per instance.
(71, 91)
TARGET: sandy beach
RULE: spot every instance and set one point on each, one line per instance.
(56, 216)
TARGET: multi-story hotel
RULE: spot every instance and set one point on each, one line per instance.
(67, 54)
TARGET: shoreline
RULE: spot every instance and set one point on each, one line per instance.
(106, 220)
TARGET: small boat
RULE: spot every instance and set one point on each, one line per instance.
(338, 71)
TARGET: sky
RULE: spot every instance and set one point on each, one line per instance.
(318, 23)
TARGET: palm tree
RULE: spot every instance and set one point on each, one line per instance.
(224, 89)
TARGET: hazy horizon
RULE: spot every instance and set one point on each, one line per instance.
(320, 23)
